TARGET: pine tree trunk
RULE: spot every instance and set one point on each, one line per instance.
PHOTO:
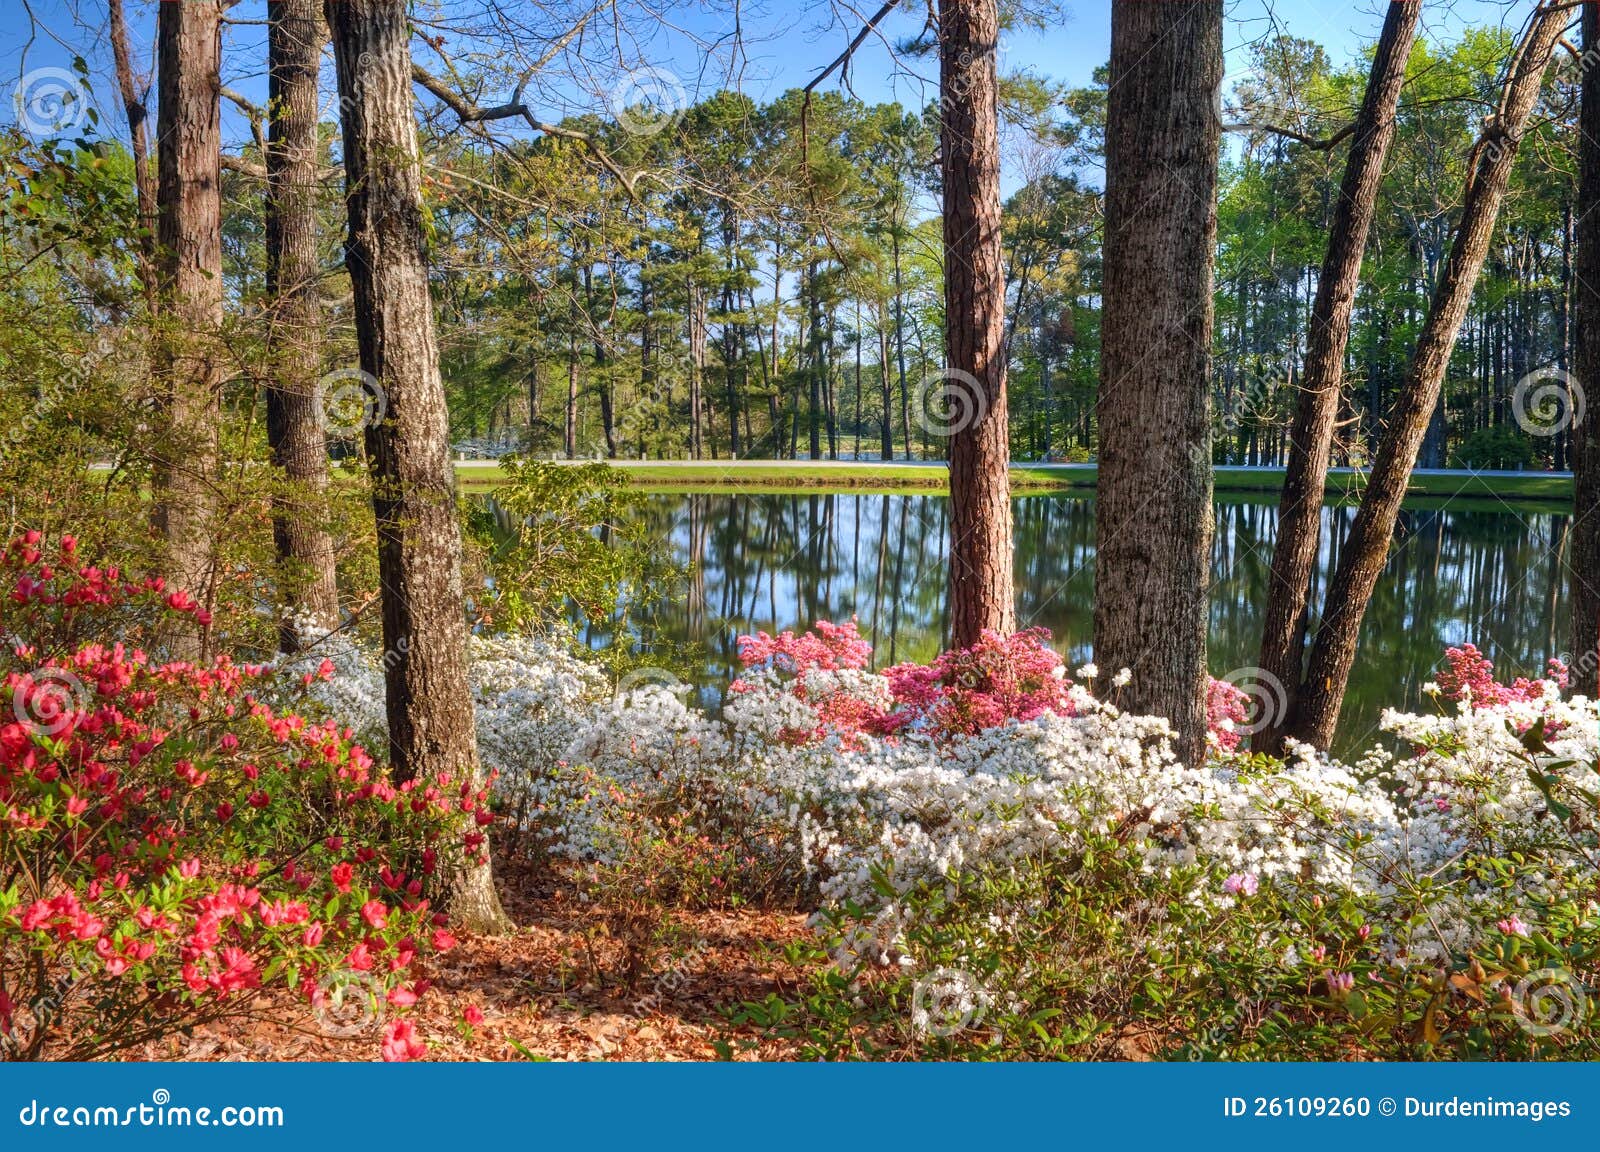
(533, 400)
(856, 451)
(982, 591)
(570, 439)
(900, 344)
(1584, 571)
(1049, 401)
(1294, 557)
(883, 382)
(1366, 549)
(296, 428)
(1154, 518)
(697, 370)
(603, 384)
(189, 363)
(814, 360)
(419, 539)
(732, 355)
(144, 174)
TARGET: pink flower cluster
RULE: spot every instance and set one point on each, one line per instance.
(965, 690)
(1227, 713)
(186, 842)
(1471, 676)
(827, 648)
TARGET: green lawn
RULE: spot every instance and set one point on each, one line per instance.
(736, 476)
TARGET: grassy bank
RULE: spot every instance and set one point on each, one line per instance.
(826, 476)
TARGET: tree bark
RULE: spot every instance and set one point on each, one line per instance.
(608, 424)
(1294, 557)
(697, 369)
(1584, 555)
(1366, 550)
(571, 439)
(883, 382)
(814, 360)
(296, 425)
(144, 175)
(900, 341)
(189, 232)
(982, 591)
(419, 539)
(1154, 519)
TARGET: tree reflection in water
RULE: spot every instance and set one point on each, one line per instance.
(1491, 575)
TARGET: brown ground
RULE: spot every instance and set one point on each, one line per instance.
(552, 990)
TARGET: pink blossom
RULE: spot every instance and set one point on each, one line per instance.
(1242, 884)
(400, 1042)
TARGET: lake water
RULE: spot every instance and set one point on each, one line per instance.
(1488, 573)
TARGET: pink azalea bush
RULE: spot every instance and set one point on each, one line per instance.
(172, 844)
(1227, 711)
(966, 690)
(811, 664)
(962, 692)
(1470, 676)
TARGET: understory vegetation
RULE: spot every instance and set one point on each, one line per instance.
(1001, 863)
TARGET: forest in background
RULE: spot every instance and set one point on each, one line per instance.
(763, 280)
(786, 300)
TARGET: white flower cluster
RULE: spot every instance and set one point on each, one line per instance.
(846, 810)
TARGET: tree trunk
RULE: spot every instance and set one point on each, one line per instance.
(1585, 435)
(1154, 519)
(1366, 549)
(982, 591)
(830, 406)
(732, 355)
(1049, 402)
(855, 452)
(883, 382)
(900, 344)
(296, 428)
(419, 539)
(1294, 558)
(602, 374)
(570, 442)
(189, 365)
(814, 360)
(697, 370)
(533, 400)
(144, 175)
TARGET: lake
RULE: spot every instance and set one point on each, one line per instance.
(1485, 572)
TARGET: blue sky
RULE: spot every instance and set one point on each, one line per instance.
(787, 42)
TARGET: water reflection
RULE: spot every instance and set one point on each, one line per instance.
(1487, 574)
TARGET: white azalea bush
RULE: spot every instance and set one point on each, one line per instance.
(987, 816)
